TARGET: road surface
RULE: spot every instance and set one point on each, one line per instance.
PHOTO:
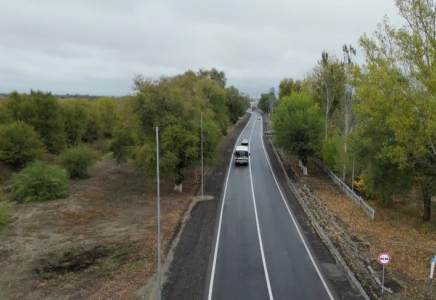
(260, 251)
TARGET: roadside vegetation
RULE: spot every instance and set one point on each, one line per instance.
(381, 114)
(378, 132)
(77, 192)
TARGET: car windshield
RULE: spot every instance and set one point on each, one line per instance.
(241, 153)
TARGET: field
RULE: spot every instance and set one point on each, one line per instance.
(98, 243)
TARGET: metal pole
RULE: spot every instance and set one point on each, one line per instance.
(158, 218)
(202, 171)
(383, 282)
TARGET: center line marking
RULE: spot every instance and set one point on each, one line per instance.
(257, 223)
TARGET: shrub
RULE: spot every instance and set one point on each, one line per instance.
(76, 161)
(4, 211)
(19, 144)
(329, 154)
(39, 182)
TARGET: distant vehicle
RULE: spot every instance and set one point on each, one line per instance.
(244, 142)
(258, 117)
(241, 155)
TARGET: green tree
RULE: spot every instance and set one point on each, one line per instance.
(298, 124)
(94, 128)
(286, 87)
(237, 103)
(19, 144)
(215, 75)
(76, 117)
(20, 107)
(327, 87)
(401, 100)
(174, 104)
(106, 107)
(48, 121)
(5, 116)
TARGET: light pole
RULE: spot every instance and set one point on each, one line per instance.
(159, 283)
(202, 171)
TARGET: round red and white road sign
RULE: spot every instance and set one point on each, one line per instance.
(384, 258)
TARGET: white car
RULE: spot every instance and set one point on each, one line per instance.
(258, 117)
(241, 155)
(244, 142)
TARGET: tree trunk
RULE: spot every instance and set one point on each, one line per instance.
(179, 180)
(426, 197)
(178, 187)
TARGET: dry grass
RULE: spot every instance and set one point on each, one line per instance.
(114, 206)
(394, 230)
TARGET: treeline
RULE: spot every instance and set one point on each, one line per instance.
(174, 104)
(37, 125)
(379, 118)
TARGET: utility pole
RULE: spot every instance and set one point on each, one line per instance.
(159, 283)
(202, 170)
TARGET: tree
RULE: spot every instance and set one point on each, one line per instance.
(106, 108)
(264, 103)
(76, 117)
(327, 87)
(47, 120)
(19, 144)
(20, 107)
(286, 87)
(237, 103)
(174, 104)
(298, 124)
(94, 128)
(397, 90)
(215, 75)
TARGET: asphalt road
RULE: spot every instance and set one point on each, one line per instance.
(260, 251)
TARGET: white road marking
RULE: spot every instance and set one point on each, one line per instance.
(257, 225)
(221, 214)
(295, 223)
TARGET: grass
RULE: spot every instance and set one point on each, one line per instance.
(75, 218)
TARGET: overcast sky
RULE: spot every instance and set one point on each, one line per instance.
(96, 46)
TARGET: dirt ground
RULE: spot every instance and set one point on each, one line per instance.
(396, 230)
(99, 243)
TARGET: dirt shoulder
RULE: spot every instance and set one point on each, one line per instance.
(188, 271)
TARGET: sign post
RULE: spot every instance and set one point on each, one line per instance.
(384, 259)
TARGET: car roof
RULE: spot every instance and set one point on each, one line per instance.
(241, 148)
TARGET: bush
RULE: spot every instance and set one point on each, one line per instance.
(76, 161)
(39, 182)
(329, 153)
(4, 211)
(19, 144)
